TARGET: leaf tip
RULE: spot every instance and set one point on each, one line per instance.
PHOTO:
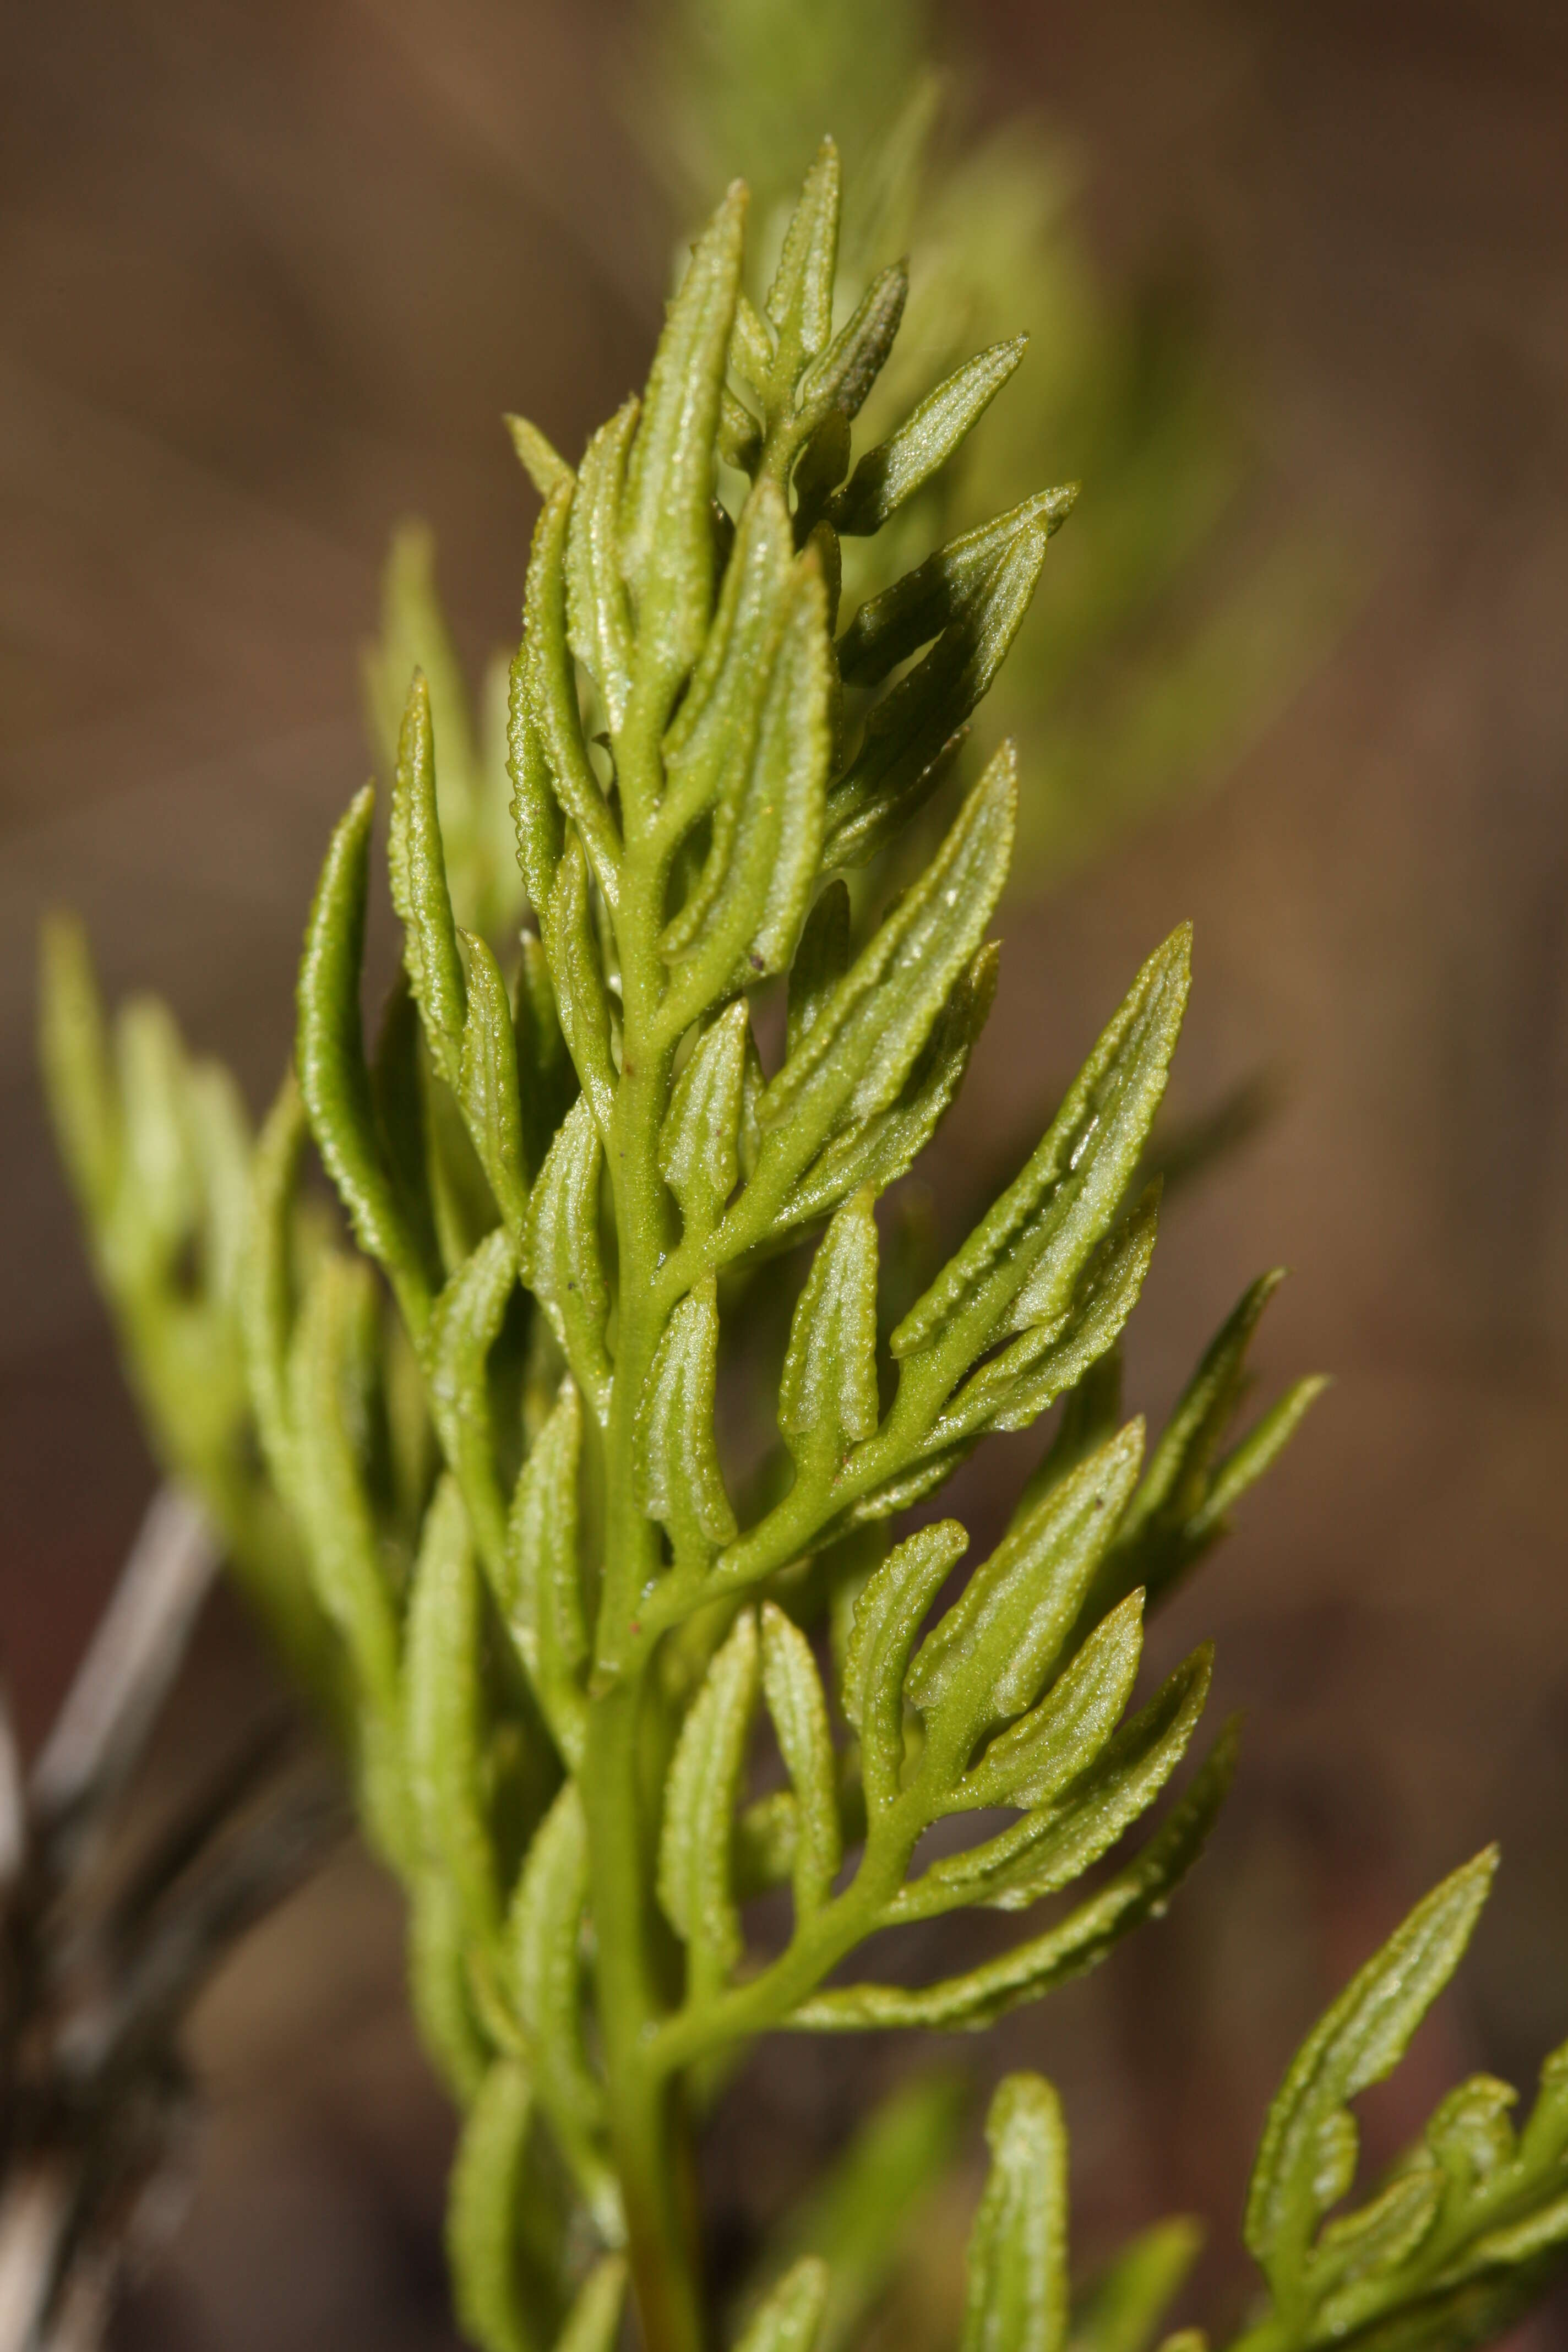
(728, 220)
(1120, 1455)
(1018, 2097)
(1481, 1868)
(542, 463)
(1225, 1753)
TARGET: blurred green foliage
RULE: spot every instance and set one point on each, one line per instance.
(1184, 608)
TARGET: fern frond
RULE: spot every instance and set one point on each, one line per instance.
(572, 1625)
(1468, 2225)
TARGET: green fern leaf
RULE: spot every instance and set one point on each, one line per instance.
(417, 865)
(792, 1689)
(942, 591)
(536, 812)
(1017, 2298)
(444, 1716)
(827, 1390)
(914, 734)
(563, 1261)
(544, 1599)
(1138, 1891)
(695, 1869)
(545, 1953)
(440, 1997)
(699, 1148)
(488, 1086)
(800, 299)
(464, 1326)
(1181, 1506)
(1036, 1758)
(678, 1459)
(334, 1080)
(1307, 2156)
(789, 2319)
(854, 1058)
(327, 1367)
(892, 472)
(887, 1618)
(1058, 1843)
(598, 615)
(1122, 2309)
(986, 1660)
(594, 2322)
(540, 460)
(550, 688)
(1013, 1387)
(876, 1152)
(667, 540)
(76, 1072)
(1024, 1258)
(481, 2225)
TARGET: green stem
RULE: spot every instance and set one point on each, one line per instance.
(767, 1998)
(649, 2139)
(647, 2134)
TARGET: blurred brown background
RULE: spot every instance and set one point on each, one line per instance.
(267, 277)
